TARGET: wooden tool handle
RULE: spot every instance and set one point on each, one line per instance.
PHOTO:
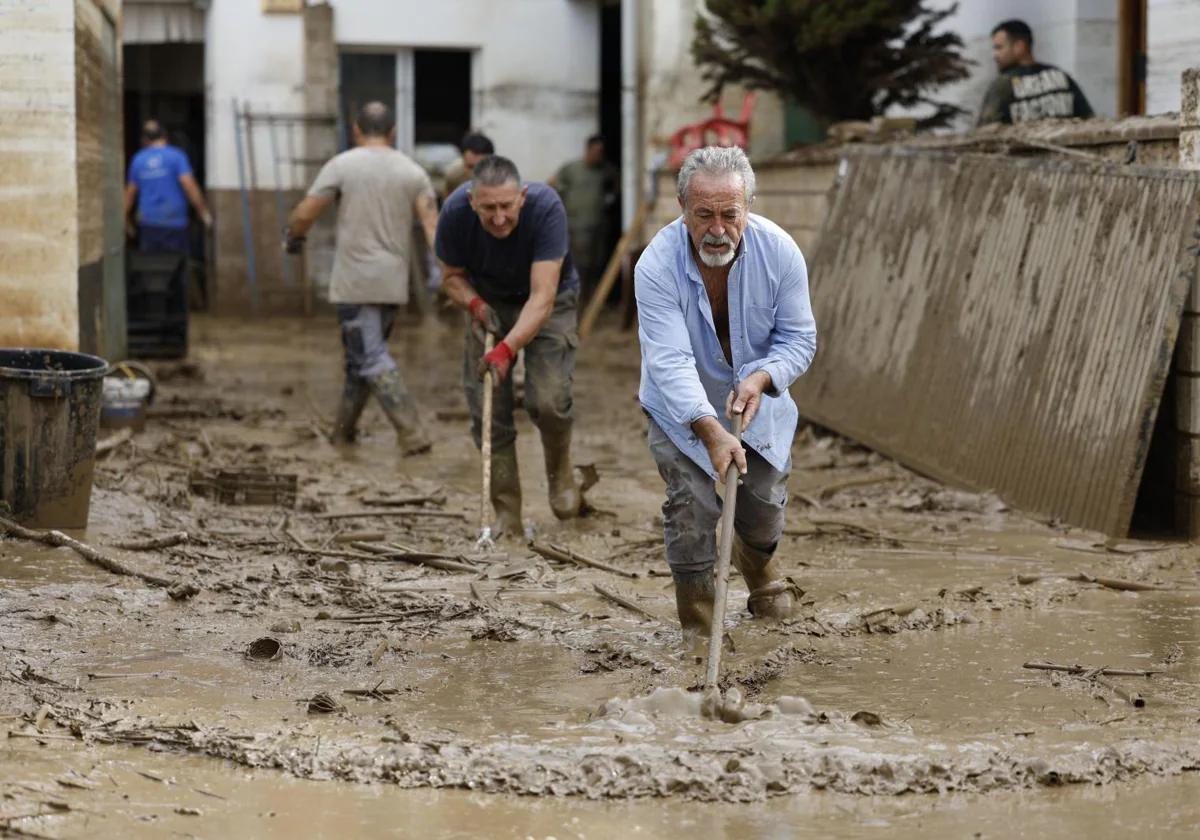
(486, 448)
(724, 554)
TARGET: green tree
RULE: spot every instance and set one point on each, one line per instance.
(844, 59)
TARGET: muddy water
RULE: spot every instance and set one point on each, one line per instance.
(108, 796)
(913, 614)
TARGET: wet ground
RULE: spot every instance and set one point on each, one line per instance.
(511, 697)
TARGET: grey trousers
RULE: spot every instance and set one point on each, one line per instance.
(366, 328)
(549, 374)
(692, 508)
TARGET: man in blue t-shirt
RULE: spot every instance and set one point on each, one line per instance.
(162, 184)
(506, 260)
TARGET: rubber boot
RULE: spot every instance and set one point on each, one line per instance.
(506, 492)
(694, 595)
(771, 595)
(565, 496)
(354, 400)
(393, 396)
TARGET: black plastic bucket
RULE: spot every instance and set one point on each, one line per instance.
(49, 412)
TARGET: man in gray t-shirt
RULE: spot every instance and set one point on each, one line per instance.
(378, 191)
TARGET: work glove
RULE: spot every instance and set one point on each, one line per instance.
(207, 220)
(485, 316)
(292, 244)
(499, 361)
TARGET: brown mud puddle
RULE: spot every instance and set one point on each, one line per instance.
(521, 678)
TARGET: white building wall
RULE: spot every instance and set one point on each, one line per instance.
(536, 72)
(1172, 46)
(1080, 36)
(671, 85)
(257, 59)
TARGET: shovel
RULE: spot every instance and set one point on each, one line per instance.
(721, 584)
(485, 541)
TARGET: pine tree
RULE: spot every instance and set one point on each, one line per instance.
(843, 59)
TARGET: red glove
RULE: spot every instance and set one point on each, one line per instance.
(498, 361)
(485, 315)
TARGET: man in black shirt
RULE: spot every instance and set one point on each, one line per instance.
(1026, 89)
(506, 260)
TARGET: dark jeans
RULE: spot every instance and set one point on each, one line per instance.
(153, 239)
(549, 372)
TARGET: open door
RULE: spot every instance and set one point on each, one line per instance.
(1131, 58)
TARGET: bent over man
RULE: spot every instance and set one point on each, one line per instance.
(377, 189)
(504, 248)
(725, 327)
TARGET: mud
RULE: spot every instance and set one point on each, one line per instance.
(901, 672)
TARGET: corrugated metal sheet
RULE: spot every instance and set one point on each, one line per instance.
(1004, 324)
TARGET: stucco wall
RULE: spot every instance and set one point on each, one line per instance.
(1079, 36)
(1172, 45)
(672, 87)
(39, 247)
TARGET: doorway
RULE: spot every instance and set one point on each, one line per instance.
(441, 96)
(611, 115)
(362, 77)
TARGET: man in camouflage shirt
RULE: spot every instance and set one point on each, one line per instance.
(1028, 90)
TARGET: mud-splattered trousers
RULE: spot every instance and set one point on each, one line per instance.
(692, 508)
(549, 372)
(366, 328)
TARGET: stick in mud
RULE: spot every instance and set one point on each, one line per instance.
(178, 590)
(434, 561)
(1131, 697)
(405, 501)
(1079, 669)
(357, 514)
(609, 595)
(566, 555)
(1107, 583)
(153, 543)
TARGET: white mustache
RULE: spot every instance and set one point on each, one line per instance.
(709, 239)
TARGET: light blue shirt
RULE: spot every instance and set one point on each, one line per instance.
(685, 375)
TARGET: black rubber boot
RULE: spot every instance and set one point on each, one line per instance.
(354, 399)
(771, 595)
(399, 407)
(506, 492)
(694, 595)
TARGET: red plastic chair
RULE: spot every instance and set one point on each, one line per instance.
(717, 130)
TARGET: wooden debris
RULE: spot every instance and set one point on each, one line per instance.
(1108, 583)
(446, 563)
(153, 543)
(178, 590)
(362, 514)
(360, 536)
(436, 499)
(566, 555)
(620, 601)
(114, 441)
(1079, 669)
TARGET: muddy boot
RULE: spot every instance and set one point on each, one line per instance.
(565, 497)
(771, 595)
(506, 492)
(399, 408)
(354, 400)
(694, 594)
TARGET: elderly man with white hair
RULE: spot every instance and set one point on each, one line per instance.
(725, 327)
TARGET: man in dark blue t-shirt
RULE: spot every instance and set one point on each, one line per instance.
(506, 260)
(161, 184)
